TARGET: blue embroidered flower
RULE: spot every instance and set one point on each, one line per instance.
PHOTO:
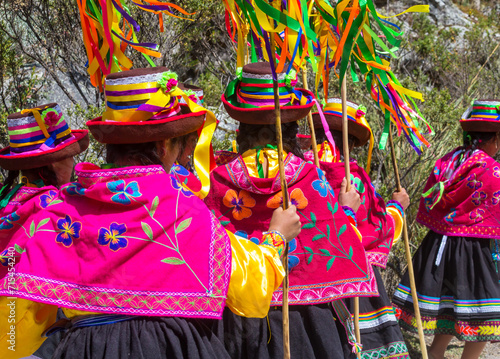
(449, 217)
(179, 170)
(437, 171)
(245, 235)
(293, 261)
(68, 231)
(47, 199)
(179, 187)
(124, 192)
(75, 189)
(321, 185)
(113, 236)
(4, 258)
(6, 222)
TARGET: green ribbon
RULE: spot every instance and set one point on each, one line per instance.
(438, 186)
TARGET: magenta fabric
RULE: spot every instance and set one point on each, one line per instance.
(327, 260)
(186, 177)
(470, 203)
(14, 218)
(127, 241)
(374, 223)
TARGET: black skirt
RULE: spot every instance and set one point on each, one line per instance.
(145, 338)
(381, 335)
(458, 288)
(315, 332)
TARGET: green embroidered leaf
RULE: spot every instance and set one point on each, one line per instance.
(350, 252)
(318, 236)
(313, 218)
(364, 200)
(213, 211)
(147, 229)
(336, 208)
(328, 231)
(42, 222)
(225, 223)
(57, 201)
(308, 226)
(328, 204)
(19, 249)
(154, 206)
(342, 229)
(325, 251)
(183, 225)
(173, 260)
(330, 263)
(32, 228)
(308, 249)
(310, 258)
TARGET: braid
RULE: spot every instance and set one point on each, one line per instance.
(473, 140)
(9, 182)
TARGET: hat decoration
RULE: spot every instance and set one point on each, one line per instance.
(40, 136)
(252, 93)
(357, 124)
(195, 93)
(482, 116)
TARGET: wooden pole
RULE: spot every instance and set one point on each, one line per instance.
(413, 287)
(284, 190)
(310, 122)
(345, 140)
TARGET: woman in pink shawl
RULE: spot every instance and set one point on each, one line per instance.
(326, 261)
(138, 263)
(379, 224)
(456, 266)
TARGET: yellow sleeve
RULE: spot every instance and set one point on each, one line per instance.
(22, 323)
(398, 222)
(256, 272)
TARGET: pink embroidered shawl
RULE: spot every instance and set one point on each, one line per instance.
(127, 241)
(327, 260)
(14, 218)
(470, 202)
(374, 223)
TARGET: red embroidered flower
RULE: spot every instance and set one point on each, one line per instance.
(240, 203)
(51, 118)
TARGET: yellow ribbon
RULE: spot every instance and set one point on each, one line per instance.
(416, 8)
(36, 113)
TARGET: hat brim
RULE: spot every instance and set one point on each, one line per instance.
(266, 115)
(147, 131)
(360, 132)
(77, 145)
(480, 125)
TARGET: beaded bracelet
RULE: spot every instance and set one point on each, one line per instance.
(274, 239)
(351, 215)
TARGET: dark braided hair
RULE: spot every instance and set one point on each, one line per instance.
(250, 136)
(337, 137)
(473, 140)
(45, 173)
(144, 154)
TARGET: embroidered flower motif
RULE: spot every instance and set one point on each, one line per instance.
(478, 197)
(496, 198)
(51, 117)
(496, 172)
(6, 222)
(75, 189)
(293, 261)
(321, 185)
(449, 217)
(113, 236)
(180, 187)
(68, 231)
(4, 258)
(473, 183)
(428, 203)
(436, 171)
(240, 203)
(296, 197)
(47, 199)
(476, 215)
(179, 170)
(124, 192)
